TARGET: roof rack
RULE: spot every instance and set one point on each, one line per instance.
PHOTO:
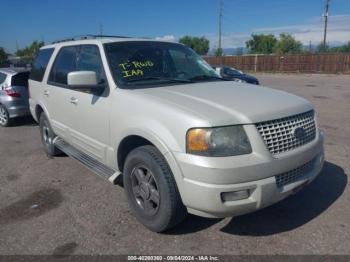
(83, 37)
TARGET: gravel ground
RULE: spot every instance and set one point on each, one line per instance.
(56, 206)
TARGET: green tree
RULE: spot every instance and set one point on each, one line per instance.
(287, 44)
(261, 44)
(31, 50)
(199, 44)
(322, 49)
(218, 52)
(341, 49)
(3, 56)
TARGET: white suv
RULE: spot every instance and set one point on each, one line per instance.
(183, 139)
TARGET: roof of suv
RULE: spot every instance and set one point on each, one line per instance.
(102, 40)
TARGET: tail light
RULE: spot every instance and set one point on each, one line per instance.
(11, 92)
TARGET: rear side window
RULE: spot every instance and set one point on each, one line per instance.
(21, 79)
(40, 63)
(2, 78)
(66, 62)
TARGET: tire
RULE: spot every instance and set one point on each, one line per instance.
(151, 189)
(47, 136)
(4, 117)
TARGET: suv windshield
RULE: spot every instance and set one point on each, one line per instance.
(156, 63)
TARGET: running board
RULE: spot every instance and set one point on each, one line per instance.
(94, 165)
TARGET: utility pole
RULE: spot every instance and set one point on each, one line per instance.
(220, 21)
(325, 15)
(310, 46)
(101, 28)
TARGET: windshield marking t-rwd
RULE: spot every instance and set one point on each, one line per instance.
(134, 68)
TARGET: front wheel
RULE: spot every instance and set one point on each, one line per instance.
(47, 136)
(151, 189)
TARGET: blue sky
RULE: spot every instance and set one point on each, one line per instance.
(50, 20)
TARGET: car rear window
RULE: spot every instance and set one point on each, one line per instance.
(40, 63)
(21, 79)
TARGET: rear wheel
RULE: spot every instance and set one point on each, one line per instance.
(4, 116)
(151, 189)
(47, 136)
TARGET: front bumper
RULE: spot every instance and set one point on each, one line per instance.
(205, 178)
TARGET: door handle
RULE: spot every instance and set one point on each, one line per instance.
(74, 100)
(46, 93)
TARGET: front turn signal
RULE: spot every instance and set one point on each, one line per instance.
(197, 140)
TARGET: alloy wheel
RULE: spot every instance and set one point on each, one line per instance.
(3, 116)
(145, 190)
(46, 135)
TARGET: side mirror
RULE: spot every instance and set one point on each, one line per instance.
(84, 80)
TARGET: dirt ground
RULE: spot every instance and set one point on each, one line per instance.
(57, 206)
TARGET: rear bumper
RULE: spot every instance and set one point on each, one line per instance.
(205, 179)
(19, 111)
(16, 107)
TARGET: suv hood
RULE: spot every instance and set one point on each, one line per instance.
(229, 103)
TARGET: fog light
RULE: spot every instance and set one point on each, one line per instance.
(235, 195)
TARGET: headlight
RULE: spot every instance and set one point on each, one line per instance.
(218, 141)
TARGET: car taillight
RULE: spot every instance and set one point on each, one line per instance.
(11, 92)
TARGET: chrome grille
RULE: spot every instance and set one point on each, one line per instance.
(279, 135)
(295, 174)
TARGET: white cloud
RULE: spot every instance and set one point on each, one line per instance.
(228, 40)
(170, 38)
(338, 32)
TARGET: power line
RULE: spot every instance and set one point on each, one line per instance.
(325, 15)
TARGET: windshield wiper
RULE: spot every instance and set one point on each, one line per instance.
(205, 77)
(176, 80)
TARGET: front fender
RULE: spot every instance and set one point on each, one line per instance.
(159, 142)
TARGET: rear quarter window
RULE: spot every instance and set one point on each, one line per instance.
(40, 63)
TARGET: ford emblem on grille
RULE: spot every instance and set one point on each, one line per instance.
(299, 132)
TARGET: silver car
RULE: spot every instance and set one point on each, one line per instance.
(13, 94)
